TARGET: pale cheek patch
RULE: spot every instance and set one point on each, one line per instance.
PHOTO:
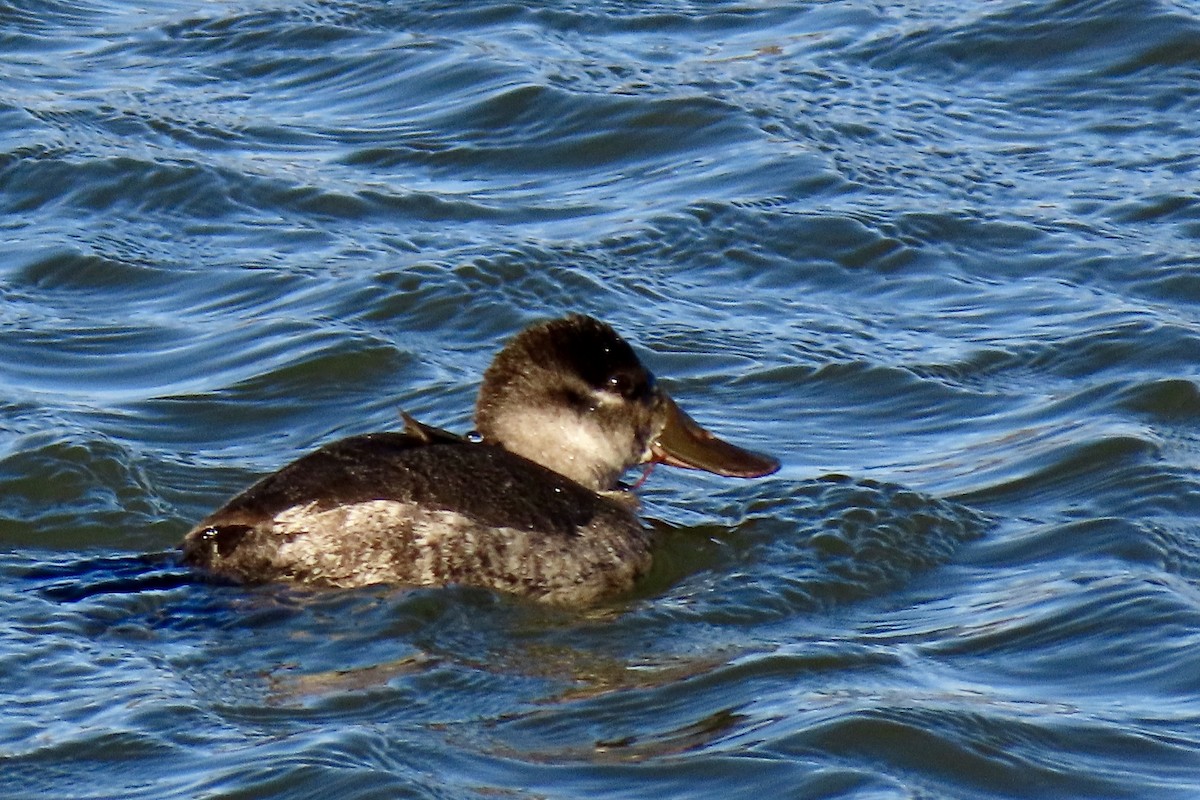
(569, 444)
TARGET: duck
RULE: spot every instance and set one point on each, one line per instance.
(530, 503)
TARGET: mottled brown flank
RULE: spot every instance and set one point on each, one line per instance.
(395, 508)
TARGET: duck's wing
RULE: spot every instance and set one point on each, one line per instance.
(351, 470)
(423, 465)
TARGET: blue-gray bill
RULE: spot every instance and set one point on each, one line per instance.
(684, 443)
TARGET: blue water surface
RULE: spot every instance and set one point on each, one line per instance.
(943, 259)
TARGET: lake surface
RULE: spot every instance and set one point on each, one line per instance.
(943, 259)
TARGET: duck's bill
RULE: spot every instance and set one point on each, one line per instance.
(683, 443)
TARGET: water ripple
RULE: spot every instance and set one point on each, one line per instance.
(944, 257)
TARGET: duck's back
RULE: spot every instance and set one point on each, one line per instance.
(424, 510)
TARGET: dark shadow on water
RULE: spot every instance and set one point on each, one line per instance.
(78, 579)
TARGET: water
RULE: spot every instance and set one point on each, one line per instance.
(940, 258)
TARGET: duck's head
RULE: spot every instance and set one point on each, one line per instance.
(571, 395)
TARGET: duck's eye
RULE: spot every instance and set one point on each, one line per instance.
(625, 385)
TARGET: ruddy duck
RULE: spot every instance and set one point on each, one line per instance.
(530, 505)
